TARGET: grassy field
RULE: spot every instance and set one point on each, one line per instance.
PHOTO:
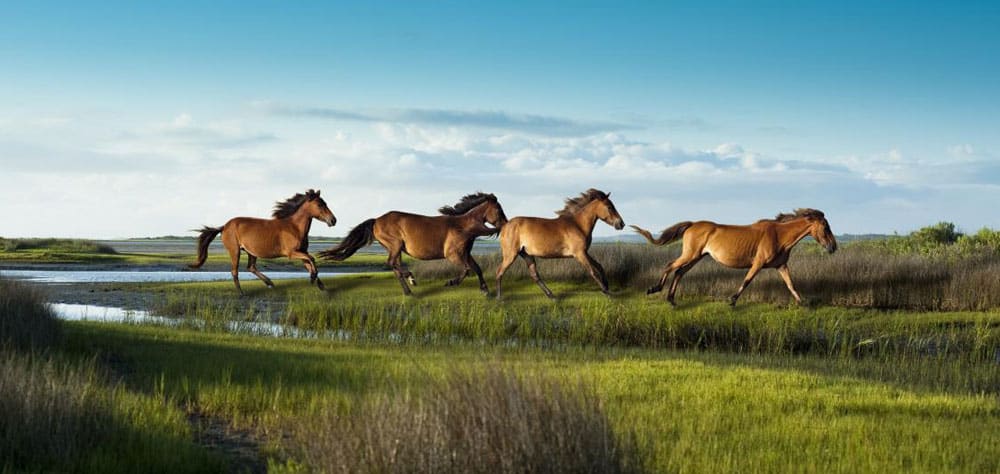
(684, 411)
(860, 380)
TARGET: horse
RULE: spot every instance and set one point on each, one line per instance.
(567, 235)
(285, 235)
(448, 236)
(764, 244)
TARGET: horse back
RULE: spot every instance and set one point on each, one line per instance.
(543, 237)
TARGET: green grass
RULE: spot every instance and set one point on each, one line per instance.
(60, 414)
(688, 411)
(371, 308)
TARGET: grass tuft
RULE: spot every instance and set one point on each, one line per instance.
(484, 421)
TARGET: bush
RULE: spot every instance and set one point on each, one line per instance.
(479, 422)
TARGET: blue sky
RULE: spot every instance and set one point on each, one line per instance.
(143, 118)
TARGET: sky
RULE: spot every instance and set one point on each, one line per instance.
(129, 119)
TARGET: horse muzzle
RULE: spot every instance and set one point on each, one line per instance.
(831, 248)
(331, 222)
(619, 225)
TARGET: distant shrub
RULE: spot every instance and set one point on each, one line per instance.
(492, 421)
(26, 322)
(58, 245)
(942, 233)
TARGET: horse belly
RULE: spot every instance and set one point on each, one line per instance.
(729, 259)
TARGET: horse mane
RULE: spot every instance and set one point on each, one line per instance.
(292, 204)
(797, 214)
(467, 203)
(574, 205)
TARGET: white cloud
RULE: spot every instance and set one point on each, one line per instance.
(181, 172)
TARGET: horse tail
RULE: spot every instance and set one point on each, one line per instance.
(207, 236)
(671, 234)
(360, 236)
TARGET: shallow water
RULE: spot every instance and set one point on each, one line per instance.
(76, 276)
(109, 314)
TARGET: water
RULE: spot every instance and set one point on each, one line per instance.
(104, 276)
(110, 314)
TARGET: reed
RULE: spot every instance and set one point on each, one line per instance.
(489, 420)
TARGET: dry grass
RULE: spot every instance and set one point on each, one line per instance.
(51, 413)
(489, 421)
(856, 276)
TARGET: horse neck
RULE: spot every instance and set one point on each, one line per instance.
(301, 220)
(586, 219)
(476, 214)
(474, 218)
(790, 233)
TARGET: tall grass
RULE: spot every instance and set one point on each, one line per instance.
(859, 275)
(483, 421)
(61, 415)
(25, 320)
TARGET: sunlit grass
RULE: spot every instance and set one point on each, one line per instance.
(689, 411)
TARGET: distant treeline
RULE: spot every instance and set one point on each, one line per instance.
(59, 245)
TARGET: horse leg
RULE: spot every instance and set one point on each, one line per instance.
(595, 270)
(310, 263)
(533, 271)
(673, 265)
(394, 262)
(252, 266)
(677, 279)
(746, 281)
(506, 262)
(459, 260)
(785, 275)
(471, 262)
(234, 257)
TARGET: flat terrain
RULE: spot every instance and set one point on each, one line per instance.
(763, 387)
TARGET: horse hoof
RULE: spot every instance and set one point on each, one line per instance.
(652, 290)
(413, 281)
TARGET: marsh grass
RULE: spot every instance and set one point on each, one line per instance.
(860, 274)
(490, 420)
(60, 414)
(26, 323)
(689, 411)
(56, 245)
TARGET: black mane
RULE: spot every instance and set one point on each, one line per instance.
(292, 204)
(466, 204)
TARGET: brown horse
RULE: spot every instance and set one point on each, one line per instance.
(449, 236)
(764, 244)
(568, 235)
(286, 235)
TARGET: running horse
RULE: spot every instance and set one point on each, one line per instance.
(448, 236)
(567, 235)
(285, 235)
(766, 243)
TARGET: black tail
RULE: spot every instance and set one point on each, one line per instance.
(207, 236)
(362, 235)
(669, 235)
